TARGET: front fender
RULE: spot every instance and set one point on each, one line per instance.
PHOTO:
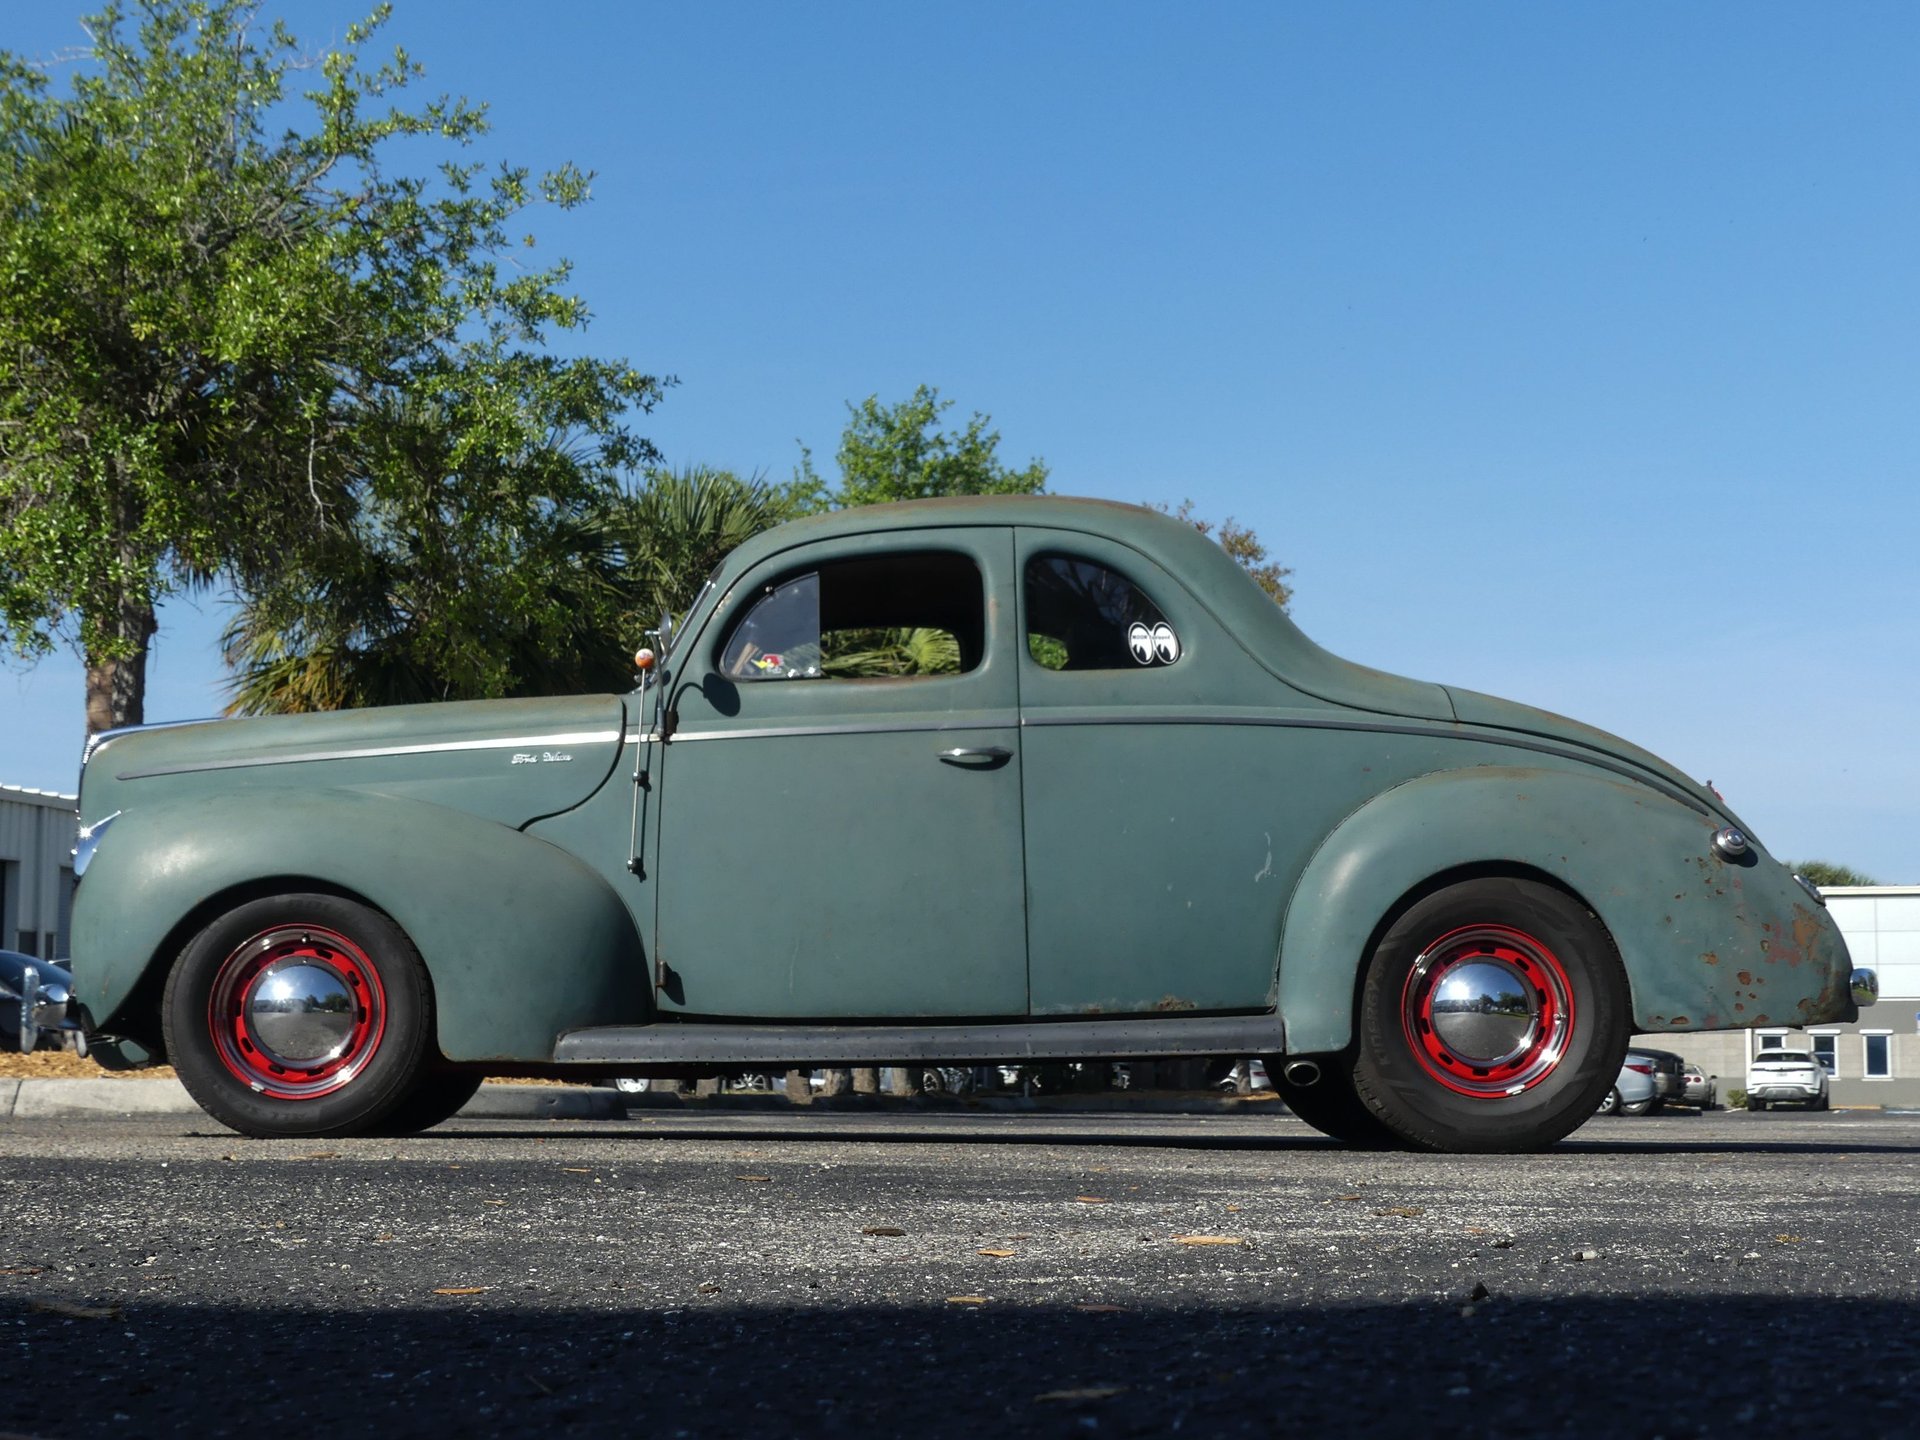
(1707, 944)
(522, 941)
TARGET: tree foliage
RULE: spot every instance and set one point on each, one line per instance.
(232, 353)
(414, 615)
(898, 452)
(1824, 873)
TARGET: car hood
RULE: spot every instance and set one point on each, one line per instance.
(510, 760)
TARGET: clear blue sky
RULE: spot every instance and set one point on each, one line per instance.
(1567, 352)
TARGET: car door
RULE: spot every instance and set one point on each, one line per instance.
(840, 830)
(1163, 819)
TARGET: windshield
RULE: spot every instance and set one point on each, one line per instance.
(1783, 1057)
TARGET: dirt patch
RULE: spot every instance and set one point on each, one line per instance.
(64, 1065)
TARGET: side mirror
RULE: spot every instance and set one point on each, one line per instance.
(665, 632)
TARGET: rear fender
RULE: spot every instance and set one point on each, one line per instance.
(1707, 944)
(521, 940)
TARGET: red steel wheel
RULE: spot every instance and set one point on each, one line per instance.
(297, 1012)
(1493, 1017)
(301, 1015)
(1488, 1010)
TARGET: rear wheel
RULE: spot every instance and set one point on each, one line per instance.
(1332, 1106)
(1610, 1102)
(301, 1014)
(1494, 1017)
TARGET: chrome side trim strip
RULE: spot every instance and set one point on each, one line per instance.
(249, 762)
(856, 727)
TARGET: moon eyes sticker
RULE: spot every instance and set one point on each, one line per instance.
(1150, 643)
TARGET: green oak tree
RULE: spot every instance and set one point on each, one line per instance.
(898, 452)
(236, 350)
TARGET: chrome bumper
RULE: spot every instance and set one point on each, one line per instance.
(34, 996)
(1865, 985)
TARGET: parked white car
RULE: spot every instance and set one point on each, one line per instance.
(1786, 1077)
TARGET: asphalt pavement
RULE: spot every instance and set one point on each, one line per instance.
(685, 1273)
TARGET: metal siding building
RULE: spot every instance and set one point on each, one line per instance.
(1875, 1060)
(38, 829)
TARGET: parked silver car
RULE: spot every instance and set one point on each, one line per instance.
(1633, 1090)
(1699, 1089)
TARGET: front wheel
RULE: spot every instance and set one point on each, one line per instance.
(1493, 1018)
(302, 1015)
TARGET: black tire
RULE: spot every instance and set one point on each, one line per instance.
(364, 986)
(1436, 1073)
(438, 1095)
(1609, 1102)
(1331, 1105)
(1756, 1105)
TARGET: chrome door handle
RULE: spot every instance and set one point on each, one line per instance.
(961, 754)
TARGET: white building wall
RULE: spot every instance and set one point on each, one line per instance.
(38, 829)
(1881, 924)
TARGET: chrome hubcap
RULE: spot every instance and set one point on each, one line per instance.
(301, 1013)
(1484, 1011)
(1488, 1011)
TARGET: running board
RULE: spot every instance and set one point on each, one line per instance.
(801, 1046)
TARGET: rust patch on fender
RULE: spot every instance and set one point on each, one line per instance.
(1172, 1002)
(1709, 958)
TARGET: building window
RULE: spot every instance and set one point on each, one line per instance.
(1825, 1050)
(1769, 1040)
(1878, 1046)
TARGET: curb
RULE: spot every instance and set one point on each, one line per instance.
(101, 1099)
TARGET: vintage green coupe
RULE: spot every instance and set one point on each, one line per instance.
(951, 781)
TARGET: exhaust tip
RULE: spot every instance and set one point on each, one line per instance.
(1301, 1072)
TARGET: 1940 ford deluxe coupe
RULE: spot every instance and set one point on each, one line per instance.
(1104, 800)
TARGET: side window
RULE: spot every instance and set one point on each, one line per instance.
(1083, 616)
(918, 614)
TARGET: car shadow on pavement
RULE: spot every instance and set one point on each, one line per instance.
(1104, 1131)
(723, 1366)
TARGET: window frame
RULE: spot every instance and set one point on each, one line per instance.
(1830, 1060)
(1866, 1054)
(816, 569)
(1045, 553)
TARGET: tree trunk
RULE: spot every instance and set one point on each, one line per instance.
(117, 689)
